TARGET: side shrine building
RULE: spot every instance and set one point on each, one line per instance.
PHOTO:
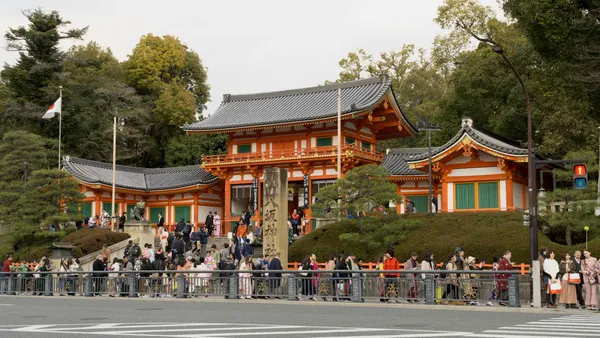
(297, 130)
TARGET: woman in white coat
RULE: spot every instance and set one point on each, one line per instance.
(551, 270)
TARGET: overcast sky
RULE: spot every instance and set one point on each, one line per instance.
(249, 46)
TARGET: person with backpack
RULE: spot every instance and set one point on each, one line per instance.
(180, 225)
(194, 238)
(178, 250)
(203, 239)
(135, 252)
(128, 248)
(187, 230)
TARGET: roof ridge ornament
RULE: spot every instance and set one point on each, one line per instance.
(467, 123)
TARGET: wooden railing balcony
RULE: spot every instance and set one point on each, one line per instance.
(293, 155)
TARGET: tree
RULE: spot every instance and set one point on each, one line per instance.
(578, 206)
(188, 149)
(39, 54)
(175, 105)
(21, 153)
(94, 92)
(52, 197)
(158, 61)
(363, 189)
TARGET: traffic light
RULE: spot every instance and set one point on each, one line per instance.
(580, 179)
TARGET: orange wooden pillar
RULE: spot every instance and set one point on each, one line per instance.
(195, 210)
(227, 214)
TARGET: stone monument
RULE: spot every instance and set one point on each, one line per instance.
(275, 213)
(138, 226)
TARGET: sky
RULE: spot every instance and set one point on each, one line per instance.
(248, 46)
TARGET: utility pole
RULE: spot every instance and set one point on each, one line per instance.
(532, 189)
(425, 125)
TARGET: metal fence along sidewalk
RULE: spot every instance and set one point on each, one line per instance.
(438, 287)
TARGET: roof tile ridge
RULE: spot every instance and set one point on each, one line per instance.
(309, 90)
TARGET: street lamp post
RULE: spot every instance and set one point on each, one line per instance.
(533, 236)
(424, 125)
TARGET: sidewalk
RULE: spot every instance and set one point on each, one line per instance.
(405, 306)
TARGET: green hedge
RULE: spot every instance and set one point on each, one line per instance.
(483, 235)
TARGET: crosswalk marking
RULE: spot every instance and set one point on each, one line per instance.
(560, 327)
(218, 330)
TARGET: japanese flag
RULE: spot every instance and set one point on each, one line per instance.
(55, 108)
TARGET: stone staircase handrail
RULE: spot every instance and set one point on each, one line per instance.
(113, 248)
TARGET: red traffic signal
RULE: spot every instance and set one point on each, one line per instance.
(580, 179)
(580, 170)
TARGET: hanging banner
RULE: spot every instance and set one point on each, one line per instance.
(306, 200)
(255, 194)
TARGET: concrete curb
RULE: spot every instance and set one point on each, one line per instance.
(497, 309)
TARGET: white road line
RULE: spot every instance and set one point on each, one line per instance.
(7, 304)
(32, 328)
(415, 335)
(285, 332)
(546, 333)
(142, 326)
(491, 335)
(560, 324)
(205, 329)
(542, 327)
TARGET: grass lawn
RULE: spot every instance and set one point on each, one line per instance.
(483, 235)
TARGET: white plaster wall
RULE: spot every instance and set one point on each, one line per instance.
(89, 194)
(450, 196)
(313, 142)
(350, 125)
(177, 196)
(236, 178)
(267, 131)
(439, 206)
(207, 195)
(188, 195)
(106, 194)
(162, 198)
(365, 130)
(263, 147)
(298, 173)
(334, 140)
(303, 144)
(247, 177)
(284, 129)
(517, 195)
(331, 172)
(476, 171)
(485, 157)
(254, 147)
(459, 160)
(152, 198)
(408, 185)
(234, 149)
(503, 195)
(318, 172)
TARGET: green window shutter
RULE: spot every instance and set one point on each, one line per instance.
(244, 148)
(154, 214)
(420, 202)
(324, 141)
(365, 145)
(350, 140)
(86, 210)
(106, 206)
(488, 195)
(465, 196)
(183, 211)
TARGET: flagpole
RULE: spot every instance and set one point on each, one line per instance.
(60, 127)
(114, 168)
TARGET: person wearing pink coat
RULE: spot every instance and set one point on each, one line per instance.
(590, 280)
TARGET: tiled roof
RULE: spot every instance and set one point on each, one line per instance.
(303, 104)
(477, 136)
(137, 178)
(395, 161)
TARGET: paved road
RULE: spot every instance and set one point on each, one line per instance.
(90, 317)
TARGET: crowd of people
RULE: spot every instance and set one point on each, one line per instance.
(574, 278)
